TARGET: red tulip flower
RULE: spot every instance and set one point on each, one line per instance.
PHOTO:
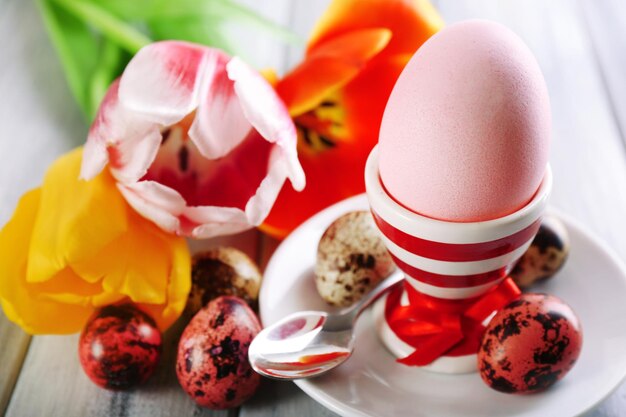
(337, 96)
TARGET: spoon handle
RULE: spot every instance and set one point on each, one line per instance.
(374, 294)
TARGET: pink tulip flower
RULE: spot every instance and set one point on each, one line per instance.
(197, 141)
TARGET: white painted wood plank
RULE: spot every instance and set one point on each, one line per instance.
(260, 49)
(38, 115)
(282, 399)
(303, 18)
(14, 344)
(606, 22)
(52, 384)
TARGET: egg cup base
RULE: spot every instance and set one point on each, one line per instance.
(445, 364)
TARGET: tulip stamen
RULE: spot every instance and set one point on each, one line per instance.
(322, 127)
(183, 158)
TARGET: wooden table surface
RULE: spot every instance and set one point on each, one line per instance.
(580, 46)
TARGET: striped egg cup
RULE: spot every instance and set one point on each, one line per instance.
(449, 260)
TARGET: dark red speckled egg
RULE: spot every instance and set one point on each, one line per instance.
(119, 347)
(530, 344)
(212, 363)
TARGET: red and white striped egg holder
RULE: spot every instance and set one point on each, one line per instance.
(448, 260)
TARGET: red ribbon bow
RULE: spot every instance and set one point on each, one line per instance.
(435, 326)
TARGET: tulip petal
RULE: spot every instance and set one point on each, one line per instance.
(132, 157)
(163, 81)
(179, 285)
(22, 305)
(156, 202)
(68, 286)
(69, 228)
(411, 21)
(142, 278)
(220, 124)
(64, 232)
(260, 204)
(204, 222)
(122, 138)
(345, 160)
(95, 158)
(103, 132)
(329, 66)
(267, 113)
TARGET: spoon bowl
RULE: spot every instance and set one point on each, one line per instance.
(310, 343)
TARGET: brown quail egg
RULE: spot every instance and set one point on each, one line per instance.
(223, 271)
(351, 259)
(546, 254)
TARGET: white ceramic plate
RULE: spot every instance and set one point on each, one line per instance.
(371, 383)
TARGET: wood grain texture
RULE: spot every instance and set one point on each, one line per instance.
(260, 49)
(14, 347)
(52, 383)
(39, 122)
(38, 115)
(606, 23)
(282, 399)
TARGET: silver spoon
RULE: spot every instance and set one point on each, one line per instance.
(309, 343)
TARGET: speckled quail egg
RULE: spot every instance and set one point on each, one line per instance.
(351, 259)
(223, 271)
(546, 254)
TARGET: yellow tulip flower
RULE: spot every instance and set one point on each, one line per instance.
(73, 246)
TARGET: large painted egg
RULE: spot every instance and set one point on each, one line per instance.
(119, 347)
(530, 344)
(212, 363)
(466, 132)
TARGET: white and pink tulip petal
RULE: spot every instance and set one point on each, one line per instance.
(156, 202)
(199, 143)
(210, 221)
(163, 81)
(267, 113)
(220, 124)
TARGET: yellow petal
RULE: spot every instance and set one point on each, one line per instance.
(178, 287)
(22, 304)
(75, 246)
(76, 221)
(107, 298)
(139, 264)
(411, 22)
(67, 287)
(270, 76)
